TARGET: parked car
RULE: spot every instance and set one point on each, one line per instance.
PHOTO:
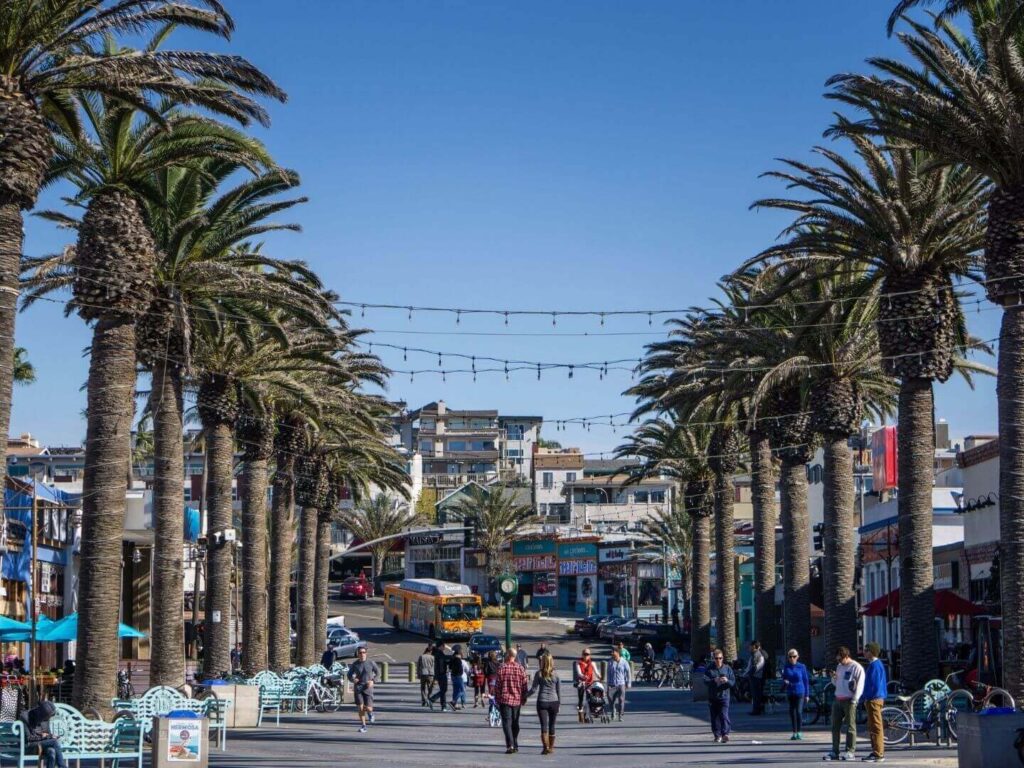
(655, 634)
(388, 577)
(355, 588)
(481, 644)
(588, 627)
(607, 627)
(623, 631)
(345, 642)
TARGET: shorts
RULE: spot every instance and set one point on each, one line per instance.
(364, 698)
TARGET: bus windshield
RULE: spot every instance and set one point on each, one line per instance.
(457, 612)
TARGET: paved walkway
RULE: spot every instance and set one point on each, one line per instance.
(661, 728)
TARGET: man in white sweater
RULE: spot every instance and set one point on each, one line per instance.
(849, 682)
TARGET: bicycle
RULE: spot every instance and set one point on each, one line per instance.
(323, 697)
(919, 714)
(674, 673)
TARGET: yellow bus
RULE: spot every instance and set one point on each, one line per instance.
(438, 609)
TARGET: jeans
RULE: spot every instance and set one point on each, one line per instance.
(843, 711)
(796, 712)
(52, 754)
(442, 691)
(875, 731)
(721, 725)
(547, 712)
(757, 695)
(581, 692)
(426, 686)
(510, 725)
(617, 699)
(458, 692)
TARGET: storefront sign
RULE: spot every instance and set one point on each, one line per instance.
(648, 571)
(586, 589)
(545, 584)
(577, 567)
(184, 741)
(576, 551)
(423, 539)
(538, 547)
(534, 563)
(614, 555)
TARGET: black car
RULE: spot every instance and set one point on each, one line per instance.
(588, 627)
(481, 644)
(655, 634)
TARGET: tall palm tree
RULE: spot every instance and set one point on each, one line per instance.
(312, 493)
(48, 55)
(962, 102)
(288, 441)
(376, 517)
(498, 516)
(916, 228)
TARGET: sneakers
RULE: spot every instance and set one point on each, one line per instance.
(830, 756)
(362, 729)
(794, 737)
(372, 720)
(718, 739)
(847, 756)
(799, 736)
(873, 758)
(725, 739)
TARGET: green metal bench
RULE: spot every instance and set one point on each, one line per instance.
(157, 702)
(81, 739)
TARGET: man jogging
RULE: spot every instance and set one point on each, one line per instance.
(619, 679)
(425, 672)
(876, 684)
(509, 694)
(363, 674)
(849, 682)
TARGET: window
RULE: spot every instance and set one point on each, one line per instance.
(428, 424)
(640, 497)
(515, 452)
(548, 480)
(188, 494)
(542, 509)
(515, 431)
(457, 445)
(570, 477)
(657, 497)
(426, 446)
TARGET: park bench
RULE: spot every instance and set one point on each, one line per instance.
(278, 692)
(81, 739)
(157, 702)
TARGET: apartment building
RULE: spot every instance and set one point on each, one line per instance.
(552, 469)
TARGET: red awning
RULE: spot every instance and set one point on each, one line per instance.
(947, 603)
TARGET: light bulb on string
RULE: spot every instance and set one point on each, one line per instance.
(506, 318)
(412, 375)
(602, 318)
(570, 371)
(458, 317)
(444, 375)
(554, 318)
(439, 362)
(405, 354)
(363, 311)
(474, 367)
(410, 314)
(538, 371)
(650, 318)
(506, 370)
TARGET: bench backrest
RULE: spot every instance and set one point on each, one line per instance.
(12, 737)
(81, 735)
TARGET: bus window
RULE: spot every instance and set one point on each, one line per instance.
(457, 612)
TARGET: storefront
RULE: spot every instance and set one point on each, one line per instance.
(436, 555)
(613, 579)
(536, 564)
(577, 576)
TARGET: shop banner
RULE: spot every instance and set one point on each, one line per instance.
(577, 567)
(614, 554)
(534, 563)
(586, 589)
(577, 551)
(533, 547)
(545, 584)
(184, 741)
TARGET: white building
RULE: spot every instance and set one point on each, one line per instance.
(604, 499)
(553, 468)
(979, 463)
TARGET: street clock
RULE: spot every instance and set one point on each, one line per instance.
(508, 586)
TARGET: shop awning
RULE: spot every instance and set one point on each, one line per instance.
(947, 603)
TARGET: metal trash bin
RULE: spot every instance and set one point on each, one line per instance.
(181, 738)
(987, 739)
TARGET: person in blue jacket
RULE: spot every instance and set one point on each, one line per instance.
(797, 685)
(720, 679)
(876, 685)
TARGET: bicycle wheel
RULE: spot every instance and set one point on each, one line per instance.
(896, 725)
(997, 697)
(812, 711)
(960, 700)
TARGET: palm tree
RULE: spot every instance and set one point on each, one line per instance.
(498, 516)
(288, 441)
(24, 371)
(312, 493)
(378, 517)
(913, 258)
(47, 57)
(961, 103)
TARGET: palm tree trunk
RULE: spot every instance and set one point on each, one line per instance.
(254, 566)
(219, 557)
(762, 479)
(725, 565)
(11, 242)
(1011, 495)
(322, 577)
(111, 391)
(167, 666)
(306, 644)
(281, 536)
(915, 452)
(840, 549)
(796, 556)
(700, 605)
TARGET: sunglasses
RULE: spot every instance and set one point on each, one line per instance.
(792, 655)
(719, 658)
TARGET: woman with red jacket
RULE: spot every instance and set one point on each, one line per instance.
(584, 673)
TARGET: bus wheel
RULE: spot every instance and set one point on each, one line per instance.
(394, 623)
(431, 634)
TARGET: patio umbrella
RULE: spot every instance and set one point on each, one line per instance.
(66, 630)
(22, 631)
(8, 624)
(947, 603)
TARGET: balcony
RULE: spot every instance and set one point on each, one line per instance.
(457, 480)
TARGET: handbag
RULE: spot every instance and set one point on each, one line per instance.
(10, 703)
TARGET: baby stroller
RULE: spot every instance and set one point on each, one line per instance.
(493, 713)
(597, 705)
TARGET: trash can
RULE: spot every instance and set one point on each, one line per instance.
(181, 738)
(987, 738)
(698, 686)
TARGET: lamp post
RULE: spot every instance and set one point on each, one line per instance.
(508, 587)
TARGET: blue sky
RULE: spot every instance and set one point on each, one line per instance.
(566, 155)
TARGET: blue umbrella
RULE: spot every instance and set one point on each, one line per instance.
(66, 630)
(8, 624)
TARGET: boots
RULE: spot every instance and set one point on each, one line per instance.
(551, 743)
(544, 741)
(579, 714)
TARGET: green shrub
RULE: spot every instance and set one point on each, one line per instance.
(497, 612)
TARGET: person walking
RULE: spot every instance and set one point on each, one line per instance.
(876, 685)
(425, 672)
(442, 665)
(548, 688)
(458, 673)
(522, 658)
(849, 682)
(619, 679)
(797, 685)
(543, 649)
(479, 680)
(364, 674)
(623, 652)
(584, 673)
(719, 679)
(755, 674)
(491, 665)
(509, 694)
(329, 657)
(675, 618)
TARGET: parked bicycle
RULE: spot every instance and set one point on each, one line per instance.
(323, 696)
(675, 674)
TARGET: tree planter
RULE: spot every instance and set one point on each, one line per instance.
(987, 740)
